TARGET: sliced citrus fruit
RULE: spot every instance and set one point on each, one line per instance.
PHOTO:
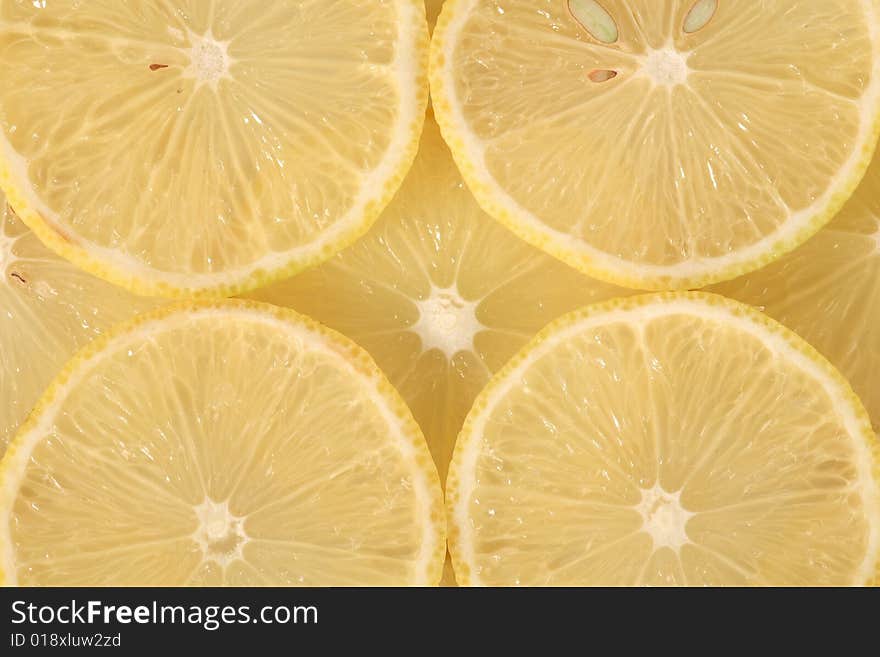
(666, 439)
(226, 443)
(48, 309)
(439, 293)
(828, 291)
(205, 148)
(660, 146)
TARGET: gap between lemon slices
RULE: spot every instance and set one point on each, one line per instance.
(439, 294)
(828, 291)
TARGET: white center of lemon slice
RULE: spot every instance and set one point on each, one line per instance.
(220, 534)
(209, 59)
(666, 66)
(663, 517)
(447, 321)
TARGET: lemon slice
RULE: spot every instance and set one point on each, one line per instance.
(438, 293)
(660, 146)
(666, 439)
(828, 291)
(207, 148)
(227, 443)
(48, 309)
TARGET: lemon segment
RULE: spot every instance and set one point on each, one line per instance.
(438, 293)
(48, 309)
(229, 443)
(205, 148)
(660, 147)
(828, 291)
(665, 439)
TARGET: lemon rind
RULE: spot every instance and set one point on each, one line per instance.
(459, 483)
(590, 260)
(412, 64)
(411, 443)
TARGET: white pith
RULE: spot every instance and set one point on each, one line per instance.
(665, 66)
(218, 525)
(447, 321)
(664, 518)
(209, 59)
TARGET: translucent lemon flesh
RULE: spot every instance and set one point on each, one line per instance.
(828, 291)
(653, 156)
(217, 444)
(438, 293)
(667, 439)
(48, 309)
(205, 147)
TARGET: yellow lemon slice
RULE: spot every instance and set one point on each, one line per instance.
(227, 443)
(439, 294)
(666, 439)
(660, 145)
(205, 148)
(48, 309)
(828, 291)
